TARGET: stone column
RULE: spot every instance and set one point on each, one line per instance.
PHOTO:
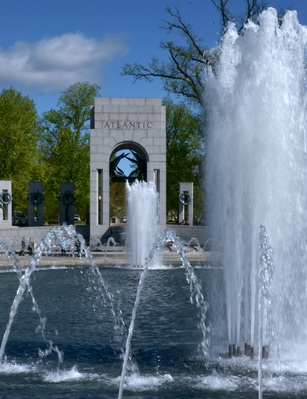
(5, 204)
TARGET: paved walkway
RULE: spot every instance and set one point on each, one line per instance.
(116, 256)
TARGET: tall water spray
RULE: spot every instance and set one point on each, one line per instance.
(143, 215)
(256, 174)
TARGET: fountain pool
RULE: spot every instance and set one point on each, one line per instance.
(165, 343)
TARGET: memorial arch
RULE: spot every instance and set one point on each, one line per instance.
(131, 128)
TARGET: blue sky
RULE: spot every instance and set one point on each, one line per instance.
(48, 45)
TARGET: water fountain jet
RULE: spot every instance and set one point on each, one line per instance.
(256, 167)
(143, 220)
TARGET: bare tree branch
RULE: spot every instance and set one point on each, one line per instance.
(183, 73)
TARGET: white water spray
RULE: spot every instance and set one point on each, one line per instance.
(195, 297)
(47, 245)
(143, 215)
(256, 172)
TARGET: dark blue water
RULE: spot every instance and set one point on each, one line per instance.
(166, 359)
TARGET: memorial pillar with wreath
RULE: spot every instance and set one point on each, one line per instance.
(35, 203)
(5, 204)
(186, 203)
(67, 201)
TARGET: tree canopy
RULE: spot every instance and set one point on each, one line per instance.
(18, 142)
(184, 154)
(65, 146)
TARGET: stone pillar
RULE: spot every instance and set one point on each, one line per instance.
(186, 203)
(5, 204)
(67, 200)
(35, 203)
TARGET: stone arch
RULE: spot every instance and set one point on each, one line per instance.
(138, 124)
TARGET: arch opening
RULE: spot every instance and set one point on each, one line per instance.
(128, 162)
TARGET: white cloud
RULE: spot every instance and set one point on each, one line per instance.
(54, 63)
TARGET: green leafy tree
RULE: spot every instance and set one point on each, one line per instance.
(118, 202)
(18, 143)
(184, 155)
(65, 146)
